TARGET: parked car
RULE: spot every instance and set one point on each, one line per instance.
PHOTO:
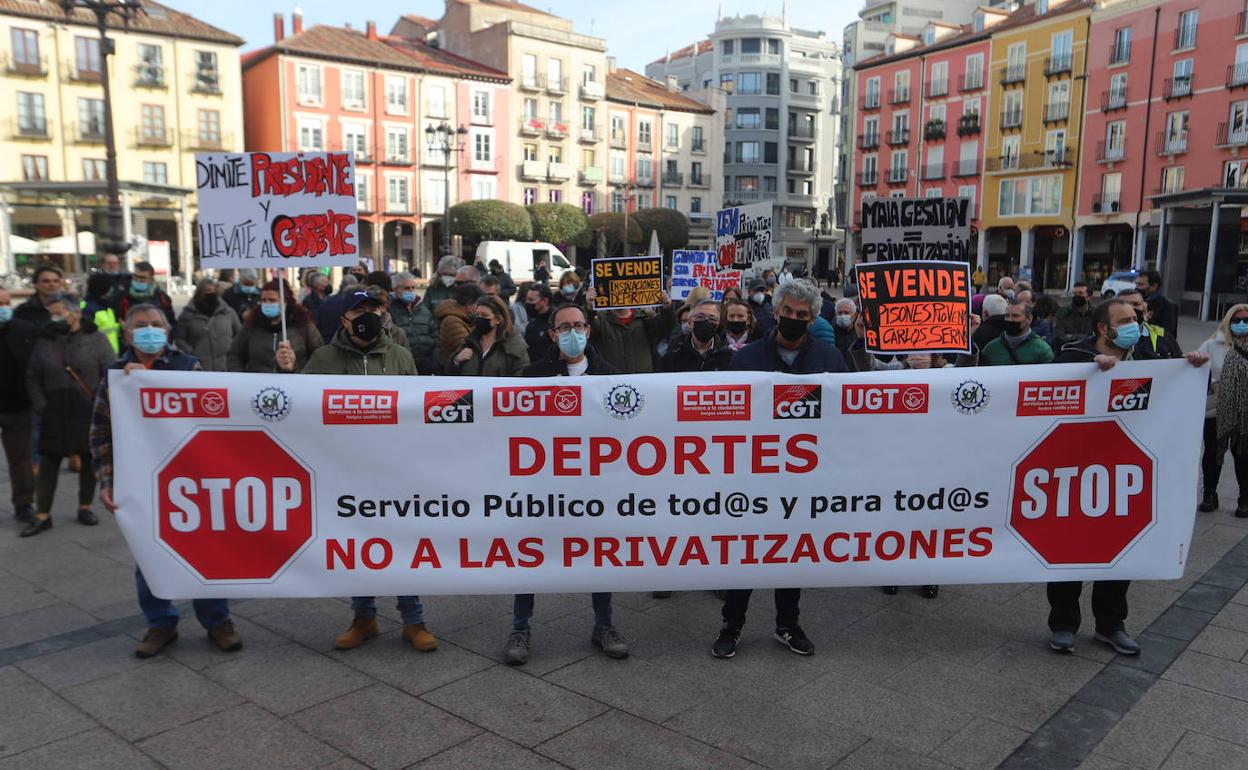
(1117, 282)
(518, 258)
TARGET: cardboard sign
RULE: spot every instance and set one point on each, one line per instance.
(624, 282)
(691, 269)
(743, 235)
(277, 209)
(916, 307)
(916, 228)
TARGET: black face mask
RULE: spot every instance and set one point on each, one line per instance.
(208, 302)
(1078, 302)
(367, 327)
(735, 327)
(1013, 328)
(59, 328)
(1139, 316)
(530, 309)
(481, 326)
(792, 329)
(704, 330)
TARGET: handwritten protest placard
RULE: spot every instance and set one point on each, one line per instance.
(624, 282)
(743, 235)
(916, 228)
(691, 269)
(916, 306)
(277, 209)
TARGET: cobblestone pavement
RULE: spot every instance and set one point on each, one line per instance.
(964, 680)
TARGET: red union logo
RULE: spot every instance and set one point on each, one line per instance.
(1041, 399)
(213, 403)
(797, 402)
(360, 407)
(448, 406)
(704, 403)
(884, 399)
(546, 401)
(1130, 395)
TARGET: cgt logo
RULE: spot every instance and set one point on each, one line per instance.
(797, 402)
(705, 403)
(1130, 395)
(448, 406)
(360, 407)
(549, 401)
(1043, 399)
(212, 403)
(884, 399)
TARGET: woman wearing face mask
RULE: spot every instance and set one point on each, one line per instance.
(259, 346)
(571, 290)
(738, 323)
(494, 348)
(454, 318)
(61, 378)
(1226, 410)
(207, 327)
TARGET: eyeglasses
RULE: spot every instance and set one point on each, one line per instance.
(463, 283)
(703, 317)
(579, 326)
(484, 316)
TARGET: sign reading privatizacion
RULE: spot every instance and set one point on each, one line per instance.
(627, 282)
(915, 307)
(691, 269)
(277, 209)
(916, 228)
(743, 235)
(235, 485)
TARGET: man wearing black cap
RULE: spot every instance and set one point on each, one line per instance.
(760, 304)
(361, 345)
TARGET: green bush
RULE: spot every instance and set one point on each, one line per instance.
(560, 223)
(610, 225)
(491, 220)
(672, 226)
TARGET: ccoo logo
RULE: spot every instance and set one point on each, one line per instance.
(448, 406)
(797, 402)
(1041, 399)
(360, 407)
(1130, 395)
(701, 403)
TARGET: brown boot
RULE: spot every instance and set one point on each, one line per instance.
(420, 637)
(226, 638)
(361, 630)
(155, 640)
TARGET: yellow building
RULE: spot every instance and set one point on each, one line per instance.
(1038, 61)
(176, 90)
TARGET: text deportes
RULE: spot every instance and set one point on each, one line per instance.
(651, 455)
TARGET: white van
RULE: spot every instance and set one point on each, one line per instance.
(519, 257)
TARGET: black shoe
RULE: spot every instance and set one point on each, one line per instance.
(726, 645)
(661, 594)
(890, 590)
(721, 595)
(25, 514)
(1208, 503)
(87, 517)
(1242, 511)
(929, 592)
(795, 639)
(36, 526)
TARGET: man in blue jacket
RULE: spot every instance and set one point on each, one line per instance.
(791, 349)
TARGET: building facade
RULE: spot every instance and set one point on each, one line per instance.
(782, 88)
(176, 91)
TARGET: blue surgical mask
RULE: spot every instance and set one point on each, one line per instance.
(140, 287)
(568, 290)
(270, 309)
(249, 289)
(150, 339)
(408, 297)
(1238, 328)
(572, 343)
(1127, 335)
(6, 314)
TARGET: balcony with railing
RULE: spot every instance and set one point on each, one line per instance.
(646, 180)
(28, 129)
(155, 136)
(556, 85)
(672, 179)
(25, 66)
(589, 134)
(899, 95)
(899, 137)
(968, 125)
(148, 75)
(1001, 163)
(559, 172)
(803, 132)
(619, 139)
(868, 179)
(591, 175)
(1231, 136)
(698, 147)
(804, 99)
(972, 81)
(207, 80)
(1177, 87)
(1106, 203)
(1114, 99)
(556, 130)
(1107, 152)
(869, 141)
(196, 140)
(1237, 75)
(83, 74)
(644, 145)
(1013, 74)
(1056, 112)
(965, 167)
(800, 166)
(530, 126)
(871, 101)
(1120, 52)
(897, 175)
(937, 88)
(1011, 119)
(530, 81)
(1056, 66)
(1030, 161)
(592, 91)
(1171, 143)
(933, 171)
(933, 130)
(533, 169)
(89, 132)
(699, 180)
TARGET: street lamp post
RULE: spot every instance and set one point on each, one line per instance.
(445, 139)
(628, 190)
(115, 239)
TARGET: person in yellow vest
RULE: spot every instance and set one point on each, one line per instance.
(97, 307)
(978, 279)
(1152, 336)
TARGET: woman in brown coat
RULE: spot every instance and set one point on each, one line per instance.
(255, 347)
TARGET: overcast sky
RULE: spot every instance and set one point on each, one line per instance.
(637, 31)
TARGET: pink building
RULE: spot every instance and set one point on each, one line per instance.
(919, 121)
(1168, 155)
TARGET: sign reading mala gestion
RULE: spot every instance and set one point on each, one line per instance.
(743, 235)
(915, 307)
(238, 485)
(277, 209)
(916, 228)
(627, 282)
(691, 269)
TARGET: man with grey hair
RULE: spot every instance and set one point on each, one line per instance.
(789, 349)
(412, 313)
(245, 293)
(467, 274)
(147, 347)
(442, 286)
(993, 326)
(1005, 287)
(843, 320)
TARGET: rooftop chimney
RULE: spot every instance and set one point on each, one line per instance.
(610, 64)
(279, 27)
(672, 84)
(296, 21)
(371, 28)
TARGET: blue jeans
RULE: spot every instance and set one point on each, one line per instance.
(161, 613)
(410, 608)
(522, 610)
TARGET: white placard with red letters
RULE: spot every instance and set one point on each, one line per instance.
(251, 485)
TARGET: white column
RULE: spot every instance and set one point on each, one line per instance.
(1206, 299)
(851, 253)
(981, 258)
(1161, 239)
(186, 244)
(1141, 247)
(8, 261)
(127, 229)
(1074, 270)
(1026, 247)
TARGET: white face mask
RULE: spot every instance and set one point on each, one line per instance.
(448, 281)
(844, 320)
(758, 297)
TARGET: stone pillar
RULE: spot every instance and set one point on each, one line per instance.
(1161, 239)
(1206, 299)
(1075, 271)
(1141, 247)
(1026, 249)
(981, 250)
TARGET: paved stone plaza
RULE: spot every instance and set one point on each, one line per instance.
(965, 680)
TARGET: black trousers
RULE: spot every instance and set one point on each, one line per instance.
(1211, 462)
(738, 601)
(1109, 605)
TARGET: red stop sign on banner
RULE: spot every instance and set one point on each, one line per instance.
(234, 505)
(1083, 494)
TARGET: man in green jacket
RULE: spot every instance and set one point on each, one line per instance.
(361, 345)
(1018, 344)
(414, 315)
(627, 339)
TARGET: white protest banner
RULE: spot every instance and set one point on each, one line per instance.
(916, 228)
(248, 485)
(691, 269)
(743, 235)
(277, 209)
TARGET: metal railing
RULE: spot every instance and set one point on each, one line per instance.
(1171, 144)
(968, 125)
(801, 132)
(1237, 75)
(1120, 52)
(1056, 112)
(619, 139)
(153, 137)
(1114, 99)
(868, 178)
(934, 171)
(24, 66)
(30, 129)
(898, 95)
(1177, 88)
(1011, 119)
(672, 179)
(937, 88)
(1110, 153)
(871, 102)
(1231, 137)
(1106, 203)
(899, 137)
(1058, 65)
(530, 126)
(868, 141)
(1013, 73)
(972, 81)
(966, 167)
(897, 175)
(933, 130)
(89, 132)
